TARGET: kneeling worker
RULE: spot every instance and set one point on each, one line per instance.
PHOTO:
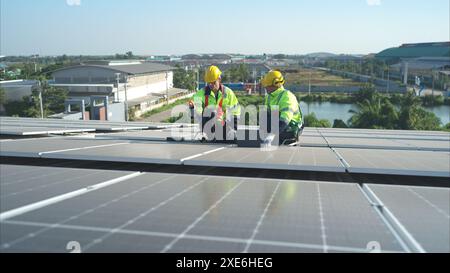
(291, 118)
(220, 99)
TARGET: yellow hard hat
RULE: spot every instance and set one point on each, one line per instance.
(273, 78)
(212, 74)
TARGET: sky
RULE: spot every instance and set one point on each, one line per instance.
(151, 27)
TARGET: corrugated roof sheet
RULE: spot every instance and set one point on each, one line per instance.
(132, 69)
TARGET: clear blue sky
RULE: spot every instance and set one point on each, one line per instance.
(51, 27)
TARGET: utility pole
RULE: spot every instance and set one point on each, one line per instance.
(116, 97)
(197, 71)
(167, 87)
(41, 86)
(309, 83)
(388, 81)
(432, 85)
(405, 73)
(126, 98)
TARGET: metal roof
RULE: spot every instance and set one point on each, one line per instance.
(130, 69)
(415, 51)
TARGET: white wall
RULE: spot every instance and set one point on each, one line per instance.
(145, 90)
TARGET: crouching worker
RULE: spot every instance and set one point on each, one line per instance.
(290, 114)
(217, 109)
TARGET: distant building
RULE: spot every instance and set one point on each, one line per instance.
(413, 51)
(425, 64)
(256, 70)
(412, 60)
(195, 59)
(100, 79)
(162, 59)
(17, 89)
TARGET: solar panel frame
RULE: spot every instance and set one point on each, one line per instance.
(31, 131)
(402, 162)
(415, 208)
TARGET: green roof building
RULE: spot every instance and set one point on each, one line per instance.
(412, 51)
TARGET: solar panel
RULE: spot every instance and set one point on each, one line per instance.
(423, 212)
(399, 136)
(43, 208)
(34, 147)
(189, 213)
(397, 162)
(427, 144)
(283, 158)
(30, 131)
(373, 143)
(384, 132)
(187, 134)
(135, 152)
(23, 185)
(91, 124)
(66, 126)
(312, 141)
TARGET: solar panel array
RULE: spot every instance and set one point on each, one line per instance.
(45, 208)
(31, 126)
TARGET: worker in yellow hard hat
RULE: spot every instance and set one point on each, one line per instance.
(290, 114)
(220, 99)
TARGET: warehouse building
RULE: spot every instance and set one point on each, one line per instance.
(119, 80)
(413, 51)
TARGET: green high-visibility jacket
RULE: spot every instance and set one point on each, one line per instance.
(288, 107)
(229, 103)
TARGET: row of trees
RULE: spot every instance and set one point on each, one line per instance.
(186, 79)
(378, 112)
(33, 67)
(370, 67)
(379, 69)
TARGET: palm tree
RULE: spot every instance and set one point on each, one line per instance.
(374, 113)
(414, 117)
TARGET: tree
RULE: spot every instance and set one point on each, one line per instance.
(236, 74)
(2, 96)
(446, 127)
(377, 113)
(414, 117)
(184, 79)
(312, 121)
(279, 56)
(52, 101)
(129, 55)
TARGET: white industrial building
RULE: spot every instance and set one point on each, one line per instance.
(120, 80)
